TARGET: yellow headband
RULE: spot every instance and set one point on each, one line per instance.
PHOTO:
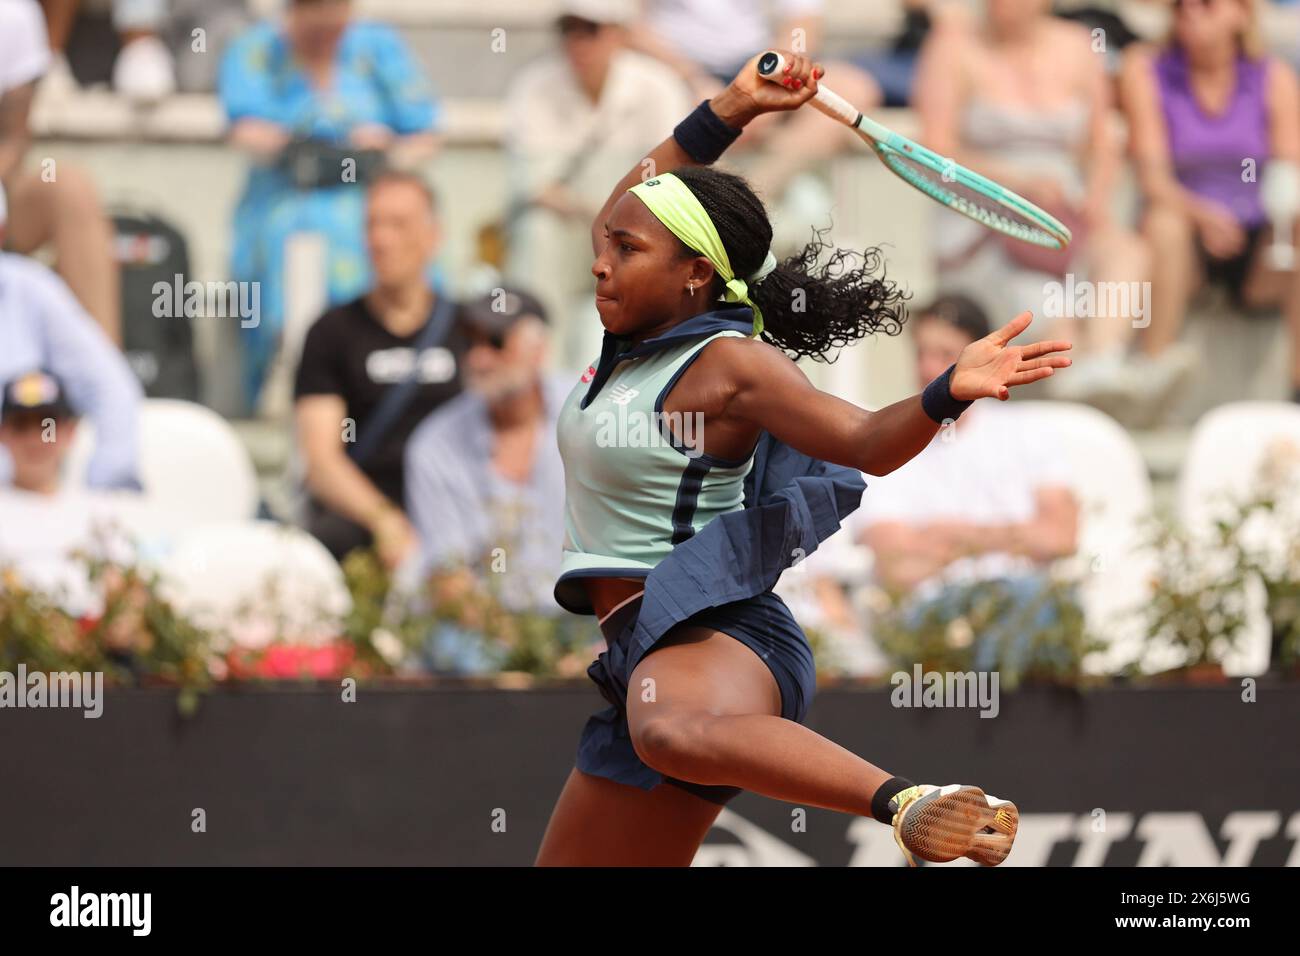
(676, 207)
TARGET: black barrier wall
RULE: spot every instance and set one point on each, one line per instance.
(462, 776)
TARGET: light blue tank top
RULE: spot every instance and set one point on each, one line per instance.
(636, 483)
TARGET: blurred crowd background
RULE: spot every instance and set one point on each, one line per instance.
(285, 281)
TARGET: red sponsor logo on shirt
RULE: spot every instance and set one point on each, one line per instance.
(588, 375)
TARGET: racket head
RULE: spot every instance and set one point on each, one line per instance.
(943, 180)
(963, 190)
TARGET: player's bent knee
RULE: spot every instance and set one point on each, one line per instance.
(666, 741)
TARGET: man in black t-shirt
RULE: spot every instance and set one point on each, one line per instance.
(352, 356)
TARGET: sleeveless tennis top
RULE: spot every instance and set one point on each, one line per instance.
(1207, 150)
(636, 482)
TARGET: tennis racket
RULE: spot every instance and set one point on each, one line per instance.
(941, 179)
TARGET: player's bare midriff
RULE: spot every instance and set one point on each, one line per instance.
(608, 593)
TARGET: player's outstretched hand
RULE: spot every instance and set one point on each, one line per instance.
(990, 368)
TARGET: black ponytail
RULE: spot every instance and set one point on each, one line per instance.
(813, 303)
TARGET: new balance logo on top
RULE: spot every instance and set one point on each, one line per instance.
(621, 394)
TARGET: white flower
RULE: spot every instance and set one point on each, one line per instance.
(876, 599)
(960, 633)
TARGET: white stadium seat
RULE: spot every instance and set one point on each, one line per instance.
(255, 581)
(192, 462)
(1228, 447)
(1110, 479)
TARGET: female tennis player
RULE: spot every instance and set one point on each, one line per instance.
(676, 533)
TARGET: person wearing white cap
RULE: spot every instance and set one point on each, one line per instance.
(577, 118)
(706, 42)
(62, 210)
(43, 326)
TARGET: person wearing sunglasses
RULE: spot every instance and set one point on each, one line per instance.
(483, 471)
(1213, 120)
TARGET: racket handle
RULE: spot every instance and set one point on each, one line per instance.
(829, 102)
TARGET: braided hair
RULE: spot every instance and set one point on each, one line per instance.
(817, 301)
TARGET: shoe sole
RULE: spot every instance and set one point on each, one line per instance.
(957, 821)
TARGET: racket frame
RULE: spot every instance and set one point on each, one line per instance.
(888, 144)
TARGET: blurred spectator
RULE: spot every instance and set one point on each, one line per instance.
(1280, 25)
(577, 119)
(37, 427)
(58, 203)
(320, 101)
(38, 531)
(1021, 97)
(43, 326)
(144, 69)
(1212, 118)
(894, 69)
(370, 371)
(49, 532)
(143, 47)
(1106, 23)
(483, 471)
(986, 500)
(708, 41)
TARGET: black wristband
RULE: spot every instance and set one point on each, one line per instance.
(880, 808)
(938, 402)
(703, 136)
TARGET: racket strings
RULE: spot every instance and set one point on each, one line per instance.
(971, 202)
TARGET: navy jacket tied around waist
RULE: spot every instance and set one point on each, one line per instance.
(793, 502)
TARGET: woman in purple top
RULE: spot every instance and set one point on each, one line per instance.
(1206, 114)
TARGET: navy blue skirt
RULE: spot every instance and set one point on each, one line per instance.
(762, 623)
